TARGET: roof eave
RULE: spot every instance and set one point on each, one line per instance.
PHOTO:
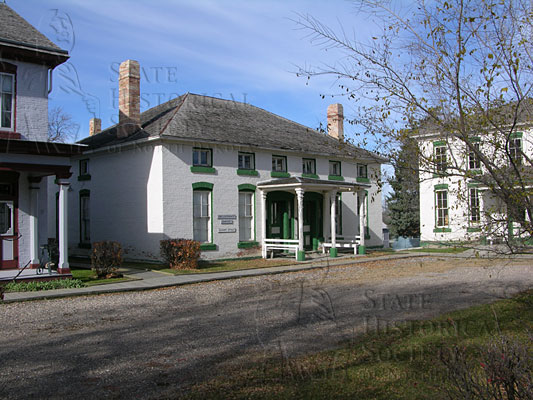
(23, 52)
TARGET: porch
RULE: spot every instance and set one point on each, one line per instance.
(28, 275)
(24, 204)
(299, 214)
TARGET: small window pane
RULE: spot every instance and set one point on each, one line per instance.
(6, 218)
(7, 84)
(6, 120)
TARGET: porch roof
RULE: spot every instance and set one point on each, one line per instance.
(313, 184)
(36, 148)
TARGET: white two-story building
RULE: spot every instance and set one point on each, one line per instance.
(225, 173)
(458, 197)
(27, 59)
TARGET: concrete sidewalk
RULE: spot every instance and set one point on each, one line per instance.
(147, 280)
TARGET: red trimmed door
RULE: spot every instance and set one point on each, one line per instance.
(8, 221)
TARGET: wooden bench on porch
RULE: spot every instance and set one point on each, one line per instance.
(342, 244)
(290, 245)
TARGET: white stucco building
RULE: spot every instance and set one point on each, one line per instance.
(225, 173)
(457, 195)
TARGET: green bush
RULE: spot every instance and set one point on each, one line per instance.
(106, 257)
(180, 253)
(45, 285)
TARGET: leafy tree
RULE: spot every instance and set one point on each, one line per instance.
(403, 202)
(61, 127)
(462, 67)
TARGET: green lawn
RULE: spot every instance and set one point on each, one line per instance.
(89, 278)
(401, 363)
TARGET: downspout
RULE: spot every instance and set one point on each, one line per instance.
(50, 75)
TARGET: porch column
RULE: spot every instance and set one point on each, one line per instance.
(325, 214)
(34, 222)
(300, 199)
(333, 213)
(63, 267)
(362, 221)
(263, 195)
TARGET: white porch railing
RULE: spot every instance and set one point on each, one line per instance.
(290, 245)
(340, 243)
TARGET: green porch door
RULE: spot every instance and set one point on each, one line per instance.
(313, 229)
(280, 215)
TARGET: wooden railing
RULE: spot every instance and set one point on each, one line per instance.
(290, 245)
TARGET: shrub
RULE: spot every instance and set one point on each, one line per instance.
(181, 253)
(503, 370)
(106, 257)
(46, 285)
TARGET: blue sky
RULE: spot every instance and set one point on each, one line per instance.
(245, 50)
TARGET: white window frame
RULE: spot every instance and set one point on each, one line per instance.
(12, 93)
(197, 153)
(242, 163)
(441, 158)
(309, 166)
(515, 152)
(442, 212)
(474, 211)
(246, 214)
(279, 164)
(362, 171)
(335, 165)
(473, 160)
(203, 215)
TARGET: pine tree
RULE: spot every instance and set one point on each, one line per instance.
(403, 203)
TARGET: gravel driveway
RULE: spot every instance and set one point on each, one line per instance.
(154, 343)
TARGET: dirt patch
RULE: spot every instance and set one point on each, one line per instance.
(379, 270)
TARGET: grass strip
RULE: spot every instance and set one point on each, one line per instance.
(396, 362)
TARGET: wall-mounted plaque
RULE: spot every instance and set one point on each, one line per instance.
(227, 217)
(227, 230)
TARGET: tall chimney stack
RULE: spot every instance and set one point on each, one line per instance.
(95, 126)
(129, 93)
(336, 121)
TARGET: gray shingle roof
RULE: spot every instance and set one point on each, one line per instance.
(193, 117)
(15, 30)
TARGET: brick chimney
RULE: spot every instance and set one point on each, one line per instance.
(336, 121)
(95, 126)
(129, 92)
